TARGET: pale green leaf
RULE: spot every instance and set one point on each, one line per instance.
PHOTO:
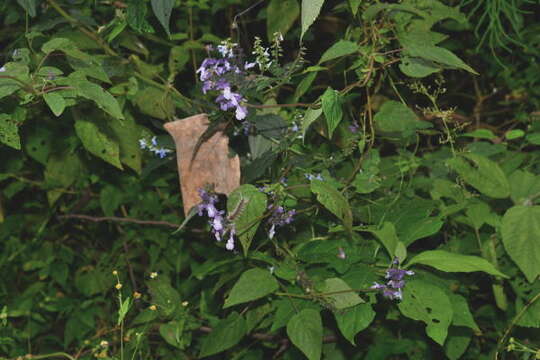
(309, 118)
(462, 313)
(280, 16)
(56, 102)
(395, 117)
(331, 106)
(306, 332)
(353, 320)
(521, 238)
(339, 49)
(101, 97)
(334, 201)
(97, 142)
(387, 236)
(248, 204)
(524, 186)
(452, 262)
(481, 173)
(429, 304)
(436, 54)
(310, 12)
(344, 297)
(417, 67)
(457, 342)
(253, 284)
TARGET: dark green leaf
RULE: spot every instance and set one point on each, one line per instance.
(331, 106)
(351, 321)
(98, 142)
(227, 333)
(332, 199)
(281, 15)
(163, 9)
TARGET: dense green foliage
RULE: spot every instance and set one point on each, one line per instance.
(400, 138)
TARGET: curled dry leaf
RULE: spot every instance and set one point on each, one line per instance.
(202, 163)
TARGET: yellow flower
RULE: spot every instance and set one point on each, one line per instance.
(137, 295)
(153, 275)
(115, 272)
(118, 286)
(153, 307)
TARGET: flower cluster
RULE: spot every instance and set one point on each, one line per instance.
(279, 218)
(153, 147)
(314, 177)
(396, 281)
(217, 74)
(218, 222)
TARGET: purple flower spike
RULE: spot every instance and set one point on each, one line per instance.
(279, 218)
(396, 281)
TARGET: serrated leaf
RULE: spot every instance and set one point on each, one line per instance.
(253, 284)
(481, 173)
(9, 132)
(353, 320)
(163, 9)
(227, 333)
(520, 234)
(98, 142)
(331, 106)
(452, 262)
(310, 12)
(305, 331)
(332, 199)
(280, 16)
(342, 299)
(339, 49)
(429, 304)
(250, 204)
(56, 102)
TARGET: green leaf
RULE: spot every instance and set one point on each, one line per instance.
(524, 186)
(347, 298)
(163, 9)
(462, 313)
(136, 16)
(520, 234)
(98, 142)
(355, 4)
(9, 86)
(514, 134)
(339, 49)
(253, 284)
(417, 67)
(154, 102)
(37, 143)
(29, 6)
(452, 262)
(395, 117)
(61, 171)
(387, 236)
(164, 296)
(172, 331)
(306, 332)
(9, 132)
(227, 333)
(249, 204)
(351, 321)
(481, 134)
(124, 308)
(332, 199)
(310, 12)
(331, 106)
(436, 54)
(303, 86)
(56, 102)
(429, 304)
(481, 173)
(102, 98)
(457, 342)
(309, 118)
(127, 133)
(280, 16)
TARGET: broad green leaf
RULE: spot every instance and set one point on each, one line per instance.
(351, 321)
(56, 102)
(520, 234)
(309, 118)
(417, 67)
(136, 16)
(66, 46)
(172, 331)
(332, 199)
(306, 332)
(514, 134)
(249, 204)
(310, 12)
(29, 6)
(452, 262)
(331, 106)
(524, 186)
(253, 284)
(9, 86)
(9, 131)
(395, 117)
(481, 173)
(387, 236)
(163, 9)
(533, 138)
(154, 102)
(37, 143)
(227, 333)
(303, 86)
(61, 171)
(344, 297)
(280, 16)
(457, 342)
(436, 54)
(481, 134)
(178, 58)
(429, 304)
(286, 308)
(341, 48)
(164, 296)
(102, 98)
(127, 134)
(97, 142)
(462, 313)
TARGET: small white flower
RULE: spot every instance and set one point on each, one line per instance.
(3, 68)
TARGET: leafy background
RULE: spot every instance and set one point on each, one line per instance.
(421, 117)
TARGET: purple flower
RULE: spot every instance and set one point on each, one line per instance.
(230, 242)
(279, 218)
(396, 281)
(354, 127)
(218, 223)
